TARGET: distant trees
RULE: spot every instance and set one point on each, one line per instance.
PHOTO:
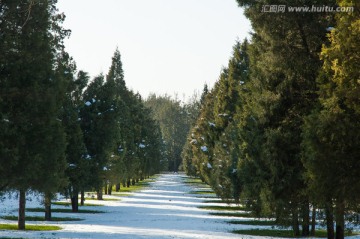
(280, 127)
(175, 120)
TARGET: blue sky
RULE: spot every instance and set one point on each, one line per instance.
(167, 46)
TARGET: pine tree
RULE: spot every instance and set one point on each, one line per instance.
(284, 66)
(212, 149)
(331, 132)
(78, 165)
(32, 93)
(99, 125)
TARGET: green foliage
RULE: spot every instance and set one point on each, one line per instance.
(32, 97)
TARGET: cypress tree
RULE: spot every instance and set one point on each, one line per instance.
(331, 133)
(32, 93)
(284, 66)
(78, 166)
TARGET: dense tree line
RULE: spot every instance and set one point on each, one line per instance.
(280, 128)
(59, 130)
(175, 119)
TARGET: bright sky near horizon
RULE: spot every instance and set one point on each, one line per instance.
(167, 46)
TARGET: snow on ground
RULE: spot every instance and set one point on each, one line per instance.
(165, 209)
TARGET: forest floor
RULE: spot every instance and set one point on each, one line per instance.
(170, 206)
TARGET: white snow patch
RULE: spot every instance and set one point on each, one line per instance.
(193, 141)
(209, 165)
(87, 103)
(204, 148)
(211, 124)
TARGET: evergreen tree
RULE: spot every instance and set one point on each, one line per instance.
(78, 166)
(187, 154)
(216, 158)
(202, 139)
(32, 91)
(331, 133)
(99, 125)
(284, 68)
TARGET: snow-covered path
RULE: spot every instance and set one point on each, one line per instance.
(165, 209)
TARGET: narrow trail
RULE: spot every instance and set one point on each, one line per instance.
(165, 209)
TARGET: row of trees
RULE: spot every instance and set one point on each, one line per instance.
(58, 131)
(280, 128)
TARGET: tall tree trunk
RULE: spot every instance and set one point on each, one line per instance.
(340, 222)
(22, 205)
(124, 183)
(105, 189)
(100, 194)
(117, 187)
(313, 221)
(329, 221)
(128, 183)
(82, 201)
(133, 182)
(306, 219)
(109, 191)
(75, 201)
(295, 223)
(47, 202)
